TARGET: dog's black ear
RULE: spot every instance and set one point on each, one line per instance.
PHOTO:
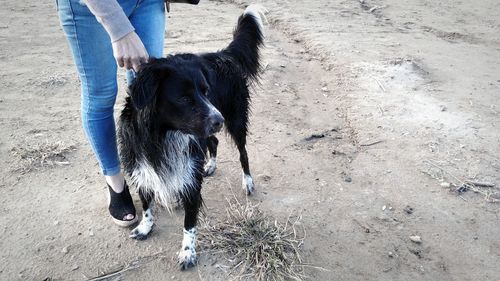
(146, 83)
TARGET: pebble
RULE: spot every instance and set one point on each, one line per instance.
(64, 250)
(445, 184)
(264, 177)
(416, 239)
(408, 210)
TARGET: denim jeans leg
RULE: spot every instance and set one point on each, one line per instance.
(148, 19)
(93, 56)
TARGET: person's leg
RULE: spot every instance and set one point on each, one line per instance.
(148, 19)
(93, 56)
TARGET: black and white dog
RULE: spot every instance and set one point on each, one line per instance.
(176, 105)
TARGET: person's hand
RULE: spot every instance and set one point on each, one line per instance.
(129, 52)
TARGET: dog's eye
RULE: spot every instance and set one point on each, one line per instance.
(185, 100)
(204, 90)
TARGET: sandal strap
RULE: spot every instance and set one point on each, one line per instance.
(121, 203)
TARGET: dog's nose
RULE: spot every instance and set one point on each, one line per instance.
(216, 121)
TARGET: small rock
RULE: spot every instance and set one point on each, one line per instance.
(384, 207)
(315, 136)
(277, 101)
(462, 189)
(390, 208)
(348, 179)
(91, 233)
(443, 108)
(445, 184)
(390, 254)
(56, 222)
(416, 252)
(324, 89)
(408, 210)
(263, 177)
(416, 239)
(64, 250)
(282, 66)
(75, 267)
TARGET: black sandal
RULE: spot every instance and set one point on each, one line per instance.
(120, 205)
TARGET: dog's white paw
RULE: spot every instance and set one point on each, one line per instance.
(187, 258)
(247, 184)
(142, 231)
(210, 167)
(187, 255)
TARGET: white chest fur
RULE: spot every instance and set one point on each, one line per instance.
(174, 176)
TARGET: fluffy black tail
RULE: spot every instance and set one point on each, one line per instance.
(248, 37)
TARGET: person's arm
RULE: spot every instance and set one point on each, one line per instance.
(110, 14)
(128, 48)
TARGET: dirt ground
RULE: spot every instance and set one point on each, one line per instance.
(402, 96)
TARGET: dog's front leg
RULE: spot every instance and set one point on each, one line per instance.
(210, 165)
(187, 254)
(142, 231)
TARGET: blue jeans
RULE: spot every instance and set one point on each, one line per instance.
(96, 65)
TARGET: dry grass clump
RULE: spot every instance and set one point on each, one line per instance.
(37, 155)
(257, 246)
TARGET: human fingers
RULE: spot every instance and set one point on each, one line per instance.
(136, 64)
(119, 61)
(127, 63)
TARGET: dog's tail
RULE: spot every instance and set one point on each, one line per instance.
(248, 37)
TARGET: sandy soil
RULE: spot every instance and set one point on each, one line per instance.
(396, 88)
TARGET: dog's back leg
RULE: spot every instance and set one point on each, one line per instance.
(146, 225)
(238, 130)
(212, 143)
(247, 181)
(192, 203)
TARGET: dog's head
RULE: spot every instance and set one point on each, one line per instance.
(177, 92)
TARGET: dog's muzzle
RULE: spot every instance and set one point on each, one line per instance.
(215, 123)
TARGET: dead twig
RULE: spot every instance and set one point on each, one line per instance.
(364, 227)
(378, 82)
(481, 184)
(114, 273)
(371, 143)
(461, 186)
(130, 266)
